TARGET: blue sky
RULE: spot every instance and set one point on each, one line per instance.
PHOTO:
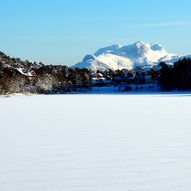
(63, 31)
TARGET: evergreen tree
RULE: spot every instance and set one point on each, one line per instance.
(166, 77)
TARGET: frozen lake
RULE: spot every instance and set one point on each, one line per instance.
(95, 143)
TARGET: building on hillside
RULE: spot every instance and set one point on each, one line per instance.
(98, 79)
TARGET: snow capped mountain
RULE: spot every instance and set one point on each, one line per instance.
(139, 54)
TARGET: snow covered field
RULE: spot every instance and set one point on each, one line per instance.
(95, 143)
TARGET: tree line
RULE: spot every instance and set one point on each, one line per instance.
(176, 76)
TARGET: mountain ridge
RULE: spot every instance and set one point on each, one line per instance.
(139, 54)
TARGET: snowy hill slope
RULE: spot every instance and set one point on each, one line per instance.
(116, 57)
(105, 62)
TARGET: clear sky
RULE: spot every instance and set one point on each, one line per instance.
(63, 31)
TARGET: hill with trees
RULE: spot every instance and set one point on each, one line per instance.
(17, 76)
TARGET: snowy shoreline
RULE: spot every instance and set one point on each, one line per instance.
(98, 93)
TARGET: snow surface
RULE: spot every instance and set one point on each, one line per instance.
(95, 143)
(29, 74)
(139, 54)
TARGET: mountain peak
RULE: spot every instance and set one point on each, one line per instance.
(148, 46)
(140, 44)
(108, 49)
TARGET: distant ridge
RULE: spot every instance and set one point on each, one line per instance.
(139, 54)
